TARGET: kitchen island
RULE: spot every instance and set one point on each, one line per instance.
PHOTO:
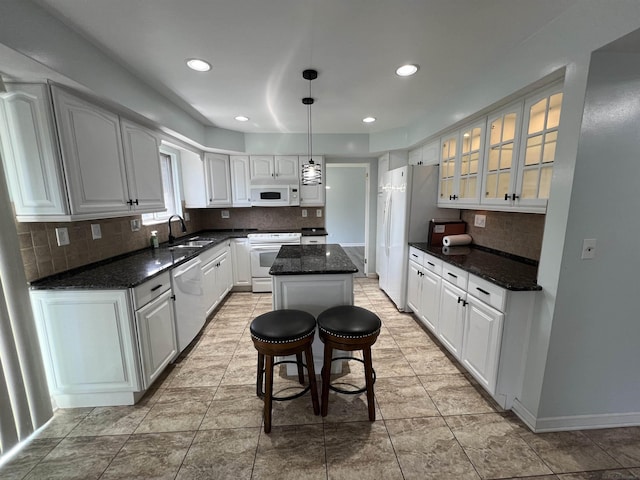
(312, 278)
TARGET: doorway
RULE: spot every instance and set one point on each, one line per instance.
(347, 210)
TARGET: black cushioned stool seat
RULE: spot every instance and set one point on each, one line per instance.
(348, 328)
(282, 333)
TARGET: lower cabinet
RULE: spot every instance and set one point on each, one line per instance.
(218, 277)
(241, 260)
(313, 239)
(452, 316)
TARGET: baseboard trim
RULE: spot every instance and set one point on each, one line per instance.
(575, 422)
(352, 244)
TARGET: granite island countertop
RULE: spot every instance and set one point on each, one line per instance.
(312, 259)
(506, 271)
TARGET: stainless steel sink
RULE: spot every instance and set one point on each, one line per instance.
(194, 244)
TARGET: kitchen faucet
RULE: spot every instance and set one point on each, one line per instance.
(184, 228)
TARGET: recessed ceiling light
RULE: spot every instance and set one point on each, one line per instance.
(369, 119)
(242, 118)
(407, 70)
(198, 65)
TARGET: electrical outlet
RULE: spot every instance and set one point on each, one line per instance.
(135, 225)
(224, 213)
(187, 217)
(319, 212)
(96, 232)
(304, 212)
(62, 236)
(588, 248)
(480, 221)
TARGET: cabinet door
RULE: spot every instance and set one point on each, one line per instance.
(209, 287)
(430, 300)
(240, 181)
(218, 180)
(471, 164)
(286, 168)
(261, 167)
(312, 191)
(431, 153)
(451, 319)
(91, 145)
(224, 275)
(415, 156)
(538, 149)
(241, 262)
(144, 175)
(447, 193)
(481, 342)
(30, 151)
(156, 336)
(414, 287)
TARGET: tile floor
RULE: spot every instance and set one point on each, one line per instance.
(202, 420)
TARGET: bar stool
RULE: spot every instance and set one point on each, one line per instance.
(281, 333)
(348, 328)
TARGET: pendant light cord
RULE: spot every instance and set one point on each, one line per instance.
(310, 137)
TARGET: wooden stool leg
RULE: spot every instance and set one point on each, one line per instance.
(268, 394)
(300, 368)
(326, 376)
(312, 380)
(368, 372)
(259, 391)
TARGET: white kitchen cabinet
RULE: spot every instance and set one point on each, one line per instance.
(241, 262)
(240, 181)
(218, 180)
(144, 175)
(481, 342)
(452, 313)
(430, 300)
(268, 168)
(218, 276)
(30, 152)
(423, 291)
(312, 191)
(415, 156)
(427, 154)
(414, 287)
(89, 347)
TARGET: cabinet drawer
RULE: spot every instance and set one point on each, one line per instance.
(416, 255)
(455, 275)
(313, 239)
(432, 264)
(488, 292)
(143, 294)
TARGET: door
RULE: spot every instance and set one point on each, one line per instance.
(414, 287)
(262, 257)
(286, 169)
(218, 180)
(451, 319)
(240, 181)
(397, 247)
(209, 287)
(430, 301)
(261, 167)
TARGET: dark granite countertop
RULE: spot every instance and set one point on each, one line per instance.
(312, 259)
(507, 271)
(312, 232)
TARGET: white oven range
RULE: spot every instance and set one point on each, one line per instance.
(264, 249)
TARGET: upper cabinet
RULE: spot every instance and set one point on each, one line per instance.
(240, 181)
(427, 154)
(510, 166)
(206, 182)
(266, 169)
(111, 166)
(312, 181)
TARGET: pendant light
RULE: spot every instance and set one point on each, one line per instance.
(311, 172)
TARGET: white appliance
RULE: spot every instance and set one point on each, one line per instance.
(275, 195)
(406, 202)
(264, 248)
(186, 281)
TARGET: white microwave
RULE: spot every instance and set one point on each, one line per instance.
(275, 195)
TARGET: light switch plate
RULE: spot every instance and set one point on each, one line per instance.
(224, 213)
(187, 217)
(135, 225)
(480, 221)
(96, 232)
(319, 212)
(588, 248)
(62, 236)
(304, 212)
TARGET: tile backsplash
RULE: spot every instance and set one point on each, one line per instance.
(42, 256)
(515, 233)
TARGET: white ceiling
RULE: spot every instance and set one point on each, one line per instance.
(259, 48)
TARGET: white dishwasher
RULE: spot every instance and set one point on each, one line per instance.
(186, 281)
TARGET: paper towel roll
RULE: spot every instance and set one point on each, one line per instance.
(456, 250)
(457, 240)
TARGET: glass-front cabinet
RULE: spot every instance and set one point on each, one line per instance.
(448, 162)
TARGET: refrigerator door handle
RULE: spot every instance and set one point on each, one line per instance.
(388, 232)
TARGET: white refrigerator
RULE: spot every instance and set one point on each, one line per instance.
(407, 201)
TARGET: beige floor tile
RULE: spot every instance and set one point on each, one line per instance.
(20, 465)
(494, 447)
(291, 452)
(566, 452)
(389, 362)
(599, 475)
(348, 408)
(434, 363)
(427, 449)
(81, 458)
(221, 454)
(234, 406)
(403, 397)
(64, 420)
(111, 421)
(177, 410)
(241, 370)
(153, 455)
(201, 371)
(623, 444)
(360, 450)
(454, 394)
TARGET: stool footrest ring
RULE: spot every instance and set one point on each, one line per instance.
(289, 397)
(351, 392)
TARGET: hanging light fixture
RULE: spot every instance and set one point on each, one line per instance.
(311, 172)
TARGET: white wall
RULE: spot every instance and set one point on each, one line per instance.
(593, 358)
(345, 203)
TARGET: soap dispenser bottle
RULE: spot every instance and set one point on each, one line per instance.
(154, 239)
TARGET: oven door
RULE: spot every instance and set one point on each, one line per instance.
(262, 257)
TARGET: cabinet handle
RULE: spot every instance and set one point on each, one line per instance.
(465, 303)
(156, 287)
(453, 197)
(414, 255)
(173, 297)
(452, 275)
(506, 196)
(136, 202)
(432, 264)
(514, 197)
(130, 202)
(459, 300)
(482, 291)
